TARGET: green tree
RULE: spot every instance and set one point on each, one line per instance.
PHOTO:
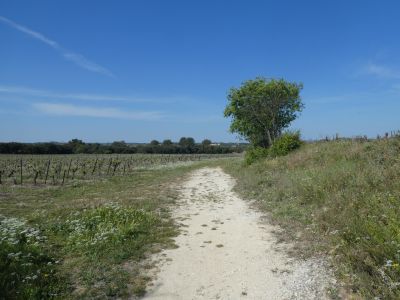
(118, 147)
(206, 146)
(167, 143)
(187, 145)
(154, 143)
(261, 108)
(206, 142)
(187, 142)
(77, 145)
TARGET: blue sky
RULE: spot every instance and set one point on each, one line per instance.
(140, 70)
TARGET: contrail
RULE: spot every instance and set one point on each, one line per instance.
(76, 58)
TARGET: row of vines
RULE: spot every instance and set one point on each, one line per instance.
(60, 169)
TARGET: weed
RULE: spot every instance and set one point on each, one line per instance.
(340, 198)
(27, 269)
(76, 241)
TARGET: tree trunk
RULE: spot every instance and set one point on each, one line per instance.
(269, 138)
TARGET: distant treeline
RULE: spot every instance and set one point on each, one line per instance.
(75, 146)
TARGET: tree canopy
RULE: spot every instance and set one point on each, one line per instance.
(167, 142)
(261, 108)
(206, 142)
(76, 146)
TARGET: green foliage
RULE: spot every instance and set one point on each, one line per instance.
(187, 142)
(340, 198)
(105, 236)
(110, 225)
(261, 108)
(118, 147)
(167, 142)
(186, 145)
(206, 142)
(27, 270)
(286, 143)
(255, 153)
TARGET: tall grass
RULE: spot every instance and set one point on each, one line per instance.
(340, 198)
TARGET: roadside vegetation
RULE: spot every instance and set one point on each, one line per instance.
(339, 199)
(87, 239)
(287, 142)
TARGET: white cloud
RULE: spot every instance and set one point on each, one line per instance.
(81, 61)
(88, 111)
(76, 58)
(381, 71)
(18, 90)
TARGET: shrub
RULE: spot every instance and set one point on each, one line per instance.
(255, 153)
(286, 143)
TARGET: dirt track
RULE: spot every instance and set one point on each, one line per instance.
(227, 250)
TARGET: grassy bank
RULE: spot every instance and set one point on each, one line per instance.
(86, 240)
(340, 198)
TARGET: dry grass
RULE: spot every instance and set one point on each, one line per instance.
(97, 235)
(340, 198)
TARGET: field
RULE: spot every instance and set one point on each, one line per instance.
(61, 169)
(87, 238)
(91, 236)
(339, 199)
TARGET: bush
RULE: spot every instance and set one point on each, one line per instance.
(255, 153)
(286, 143)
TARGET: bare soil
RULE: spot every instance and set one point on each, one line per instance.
(228, 250)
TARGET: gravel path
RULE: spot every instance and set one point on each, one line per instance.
(228, 251)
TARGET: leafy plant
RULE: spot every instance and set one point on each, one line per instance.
(27, 271)
(261, 108)
(286, 143)
(255, 153)
(109, 225)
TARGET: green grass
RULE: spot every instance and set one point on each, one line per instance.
(86, 240)
(27, 270)
(341, 199)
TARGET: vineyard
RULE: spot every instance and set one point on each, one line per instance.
(61, 169)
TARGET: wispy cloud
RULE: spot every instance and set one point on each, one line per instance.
(24, 91)
(381, 71)
(76, 58)
(88, 111)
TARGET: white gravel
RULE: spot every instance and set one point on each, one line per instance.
(227, 250)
